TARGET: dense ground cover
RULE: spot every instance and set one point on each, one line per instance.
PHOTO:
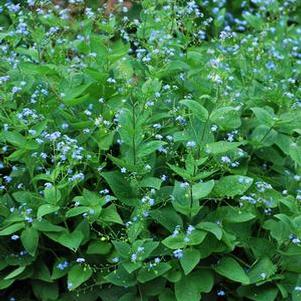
(150, 150)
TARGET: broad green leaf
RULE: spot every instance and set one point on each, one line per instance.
(180, 241)
(52, 195)
(121, 188)
(77, 211)
(46, 291)
(121, 277)
(149, 273)
(72, 95)
(183, 201)
(30, 240)
(123, 248)
(226, 118)
(167, 295)
(46, 209)
(264, 116)
(45, 226)
(231, 186)
(189, 260)
(150, 147)
(151, 182)
(263, 136)
(234, 215)
(15, 273)
(60, 268)
(202, 189)
(111, 215)
(262, 270)
(221, 147)
(191, 286)
(99, 247)
(262, 293)
(187, 289)
(19, 140)
(214, 228)
(151, 86)
(12, 229)
(231, 269)
(167, 217)
(78, 274)
(70, 240)
(174, 242)
(294, 150)
(197, 109)
(180, 171)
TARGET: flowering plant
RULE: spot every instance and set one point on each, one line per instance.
(150, 150)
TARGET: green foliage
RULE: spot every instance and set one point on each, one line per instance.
(150, 150)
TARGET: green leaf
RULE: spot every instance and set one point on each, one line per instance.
(186, 289)
(262, 270)
(167, 217)
(189, 260)
(221, 147)
(70, 240)
(52, 195)
(234, 215)
(191, 286)
(264, 116)
(12, 229)
(123, 249)
(92, 199)
(148, 148)
(180, 241)
(15, 139)
(15, 273)
(255, 21)
(226, 118)
(59, 272)
(99, 247)
(151, 86)
(45, 226)
(72, 95)
(103, 138)
(197, 109)
(111, 215)
(77, 211)
(120, 187)
(131, 266)
(30, 240)
(295, 152)
(151, 182)
(46, 291)
(20, 141)
(167, 295)
(231, 186)
(46, 209)
(215, 229)
(204, 279)
(202, 189)
(261, 293)
(182, 201)
(121, 277)
(6, 283)
(149, 273)
(231, 269)
(185, 174)
(78, 275)
(262, 135)
(174, 242)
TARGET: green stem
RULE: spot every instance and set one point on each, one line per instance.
(134, 133)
